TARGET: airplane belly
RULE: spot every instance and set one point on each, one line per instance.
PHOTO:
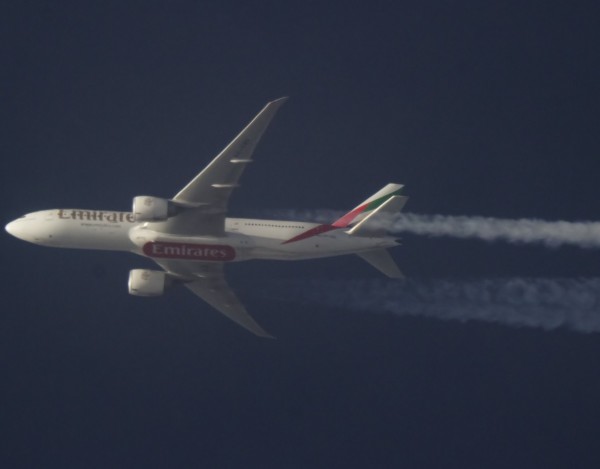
(159, 245)
(189, 251)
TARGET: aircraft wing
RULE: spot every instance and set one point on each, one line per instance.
(207, 280)
(204, 199)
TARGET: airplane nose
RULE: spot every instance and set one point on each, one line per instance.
(16, 229)
(28, 229)
(11, 228)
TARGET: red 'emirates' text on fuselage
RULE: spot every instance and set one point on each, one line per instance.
(190, 251)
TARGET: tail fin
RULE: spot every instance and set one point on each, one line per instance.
(374, 223)
(385, 196)
(359, 212)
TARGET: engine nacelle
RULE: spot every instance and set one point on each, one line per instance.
(147, 208)
(144, 282)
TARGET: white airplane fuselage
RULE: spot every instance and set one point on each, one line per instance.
(244, 238)
(190, 237)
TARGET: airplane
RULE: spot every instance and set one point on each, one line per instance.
(191, 238)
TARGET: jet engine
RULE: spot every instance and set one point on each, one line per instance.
(147, 208)
(143, 282)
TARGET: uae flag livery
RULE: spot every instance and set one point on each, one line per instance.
(194, 252)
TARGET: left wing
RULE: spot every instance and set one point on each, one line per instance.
(203, 201)
(207, 280)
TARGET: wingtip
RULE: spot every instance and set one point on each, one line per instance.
(260, 332)
(254, 327)
(279, 101)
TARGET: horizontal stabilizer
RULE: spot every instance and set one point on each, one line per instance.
(374, 223)
(382, 261)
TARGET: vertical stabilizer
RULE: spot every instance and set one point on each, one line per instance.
(374, 224)
(365, 208)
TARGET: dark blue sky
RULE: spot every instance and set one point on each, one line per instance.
(479, 108)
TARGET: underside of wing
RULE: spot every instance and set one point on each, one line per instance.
(216, 292)
(214, 184)
(203, 201)
(207, 280)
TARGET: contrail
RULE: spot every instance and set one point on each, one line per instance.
(585, 234)
(544, 303)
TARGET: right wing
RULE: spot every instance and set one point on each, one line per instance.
(207, 280)
(204, 199)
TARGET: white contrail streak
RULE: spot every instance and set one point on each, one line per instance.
(520, 302)
(585, 234)
(533, 302)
